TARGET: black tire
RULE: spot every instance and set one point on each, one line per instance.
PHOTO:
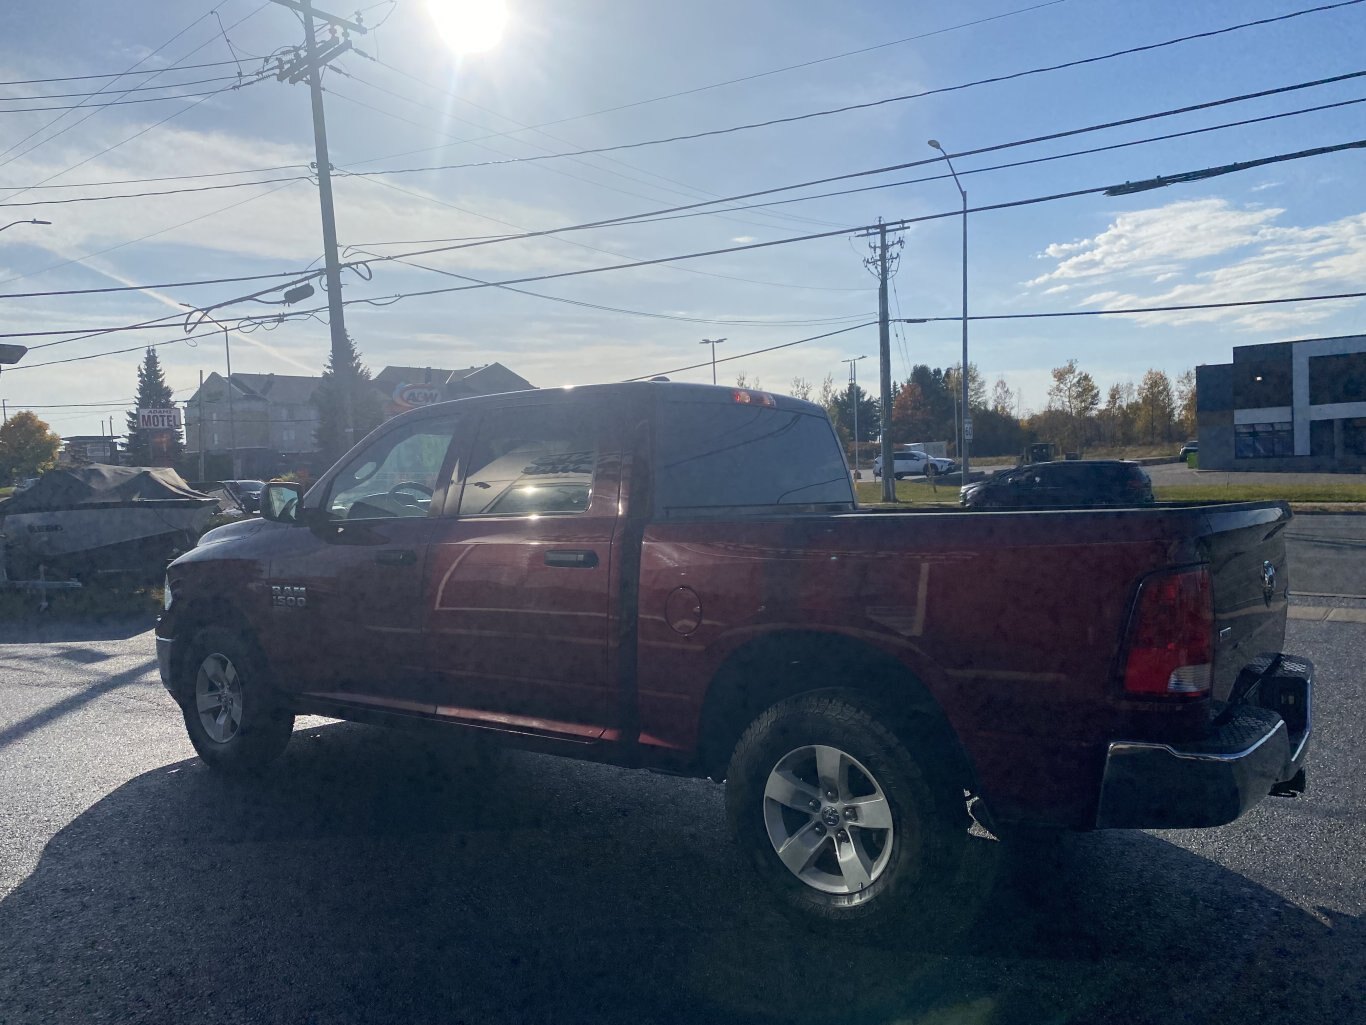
(915, 865)
(244, 734)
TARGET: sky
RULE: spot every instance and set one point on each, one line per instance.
(570, 75)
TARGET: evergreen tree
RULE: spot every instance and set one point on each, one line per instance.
(153, 446)
(330, 400)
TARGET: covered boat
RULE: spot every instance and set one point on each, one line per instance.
(90, 519)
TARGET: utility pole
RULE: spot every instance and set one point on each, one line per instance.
(310, 65)
(232, 419)
(713, 342)
(883, 265)
(853, 403)
(200, 438)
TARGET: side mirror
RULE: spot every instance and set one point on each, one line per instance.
(281, 501)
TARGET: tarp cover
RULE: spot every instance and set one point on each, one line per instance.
(76, 487)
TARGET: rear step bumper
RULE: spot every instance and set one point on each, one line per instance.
(1260, 748)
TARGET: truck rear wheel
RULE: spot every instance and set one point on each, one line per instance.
(841, 819)
(233, 721)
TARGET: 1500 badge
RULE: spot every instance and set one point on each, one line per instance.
(288, 597)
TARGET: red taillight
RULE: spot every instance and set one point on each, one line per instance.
(1170, 652)
(754, 398)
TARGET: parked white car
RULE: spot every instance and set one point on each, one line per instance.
(907, 464)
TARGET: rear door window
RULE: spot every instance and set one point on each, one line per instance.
(532, 461)
(724, 456)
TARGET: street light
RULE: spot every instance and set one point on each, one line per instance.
(853, 401)
(13, 223)
(713, 342)
(967, 410)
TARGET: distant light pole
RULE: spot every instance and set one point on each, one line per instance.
(853, 402)
(713, 342)
(967, 410)
(13, 223)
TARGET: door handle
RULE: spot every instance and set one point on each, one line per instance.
(396, 557)
(571, 559)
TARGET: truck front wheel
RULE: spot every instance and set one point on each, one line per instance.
(233, 722)
(841, 819)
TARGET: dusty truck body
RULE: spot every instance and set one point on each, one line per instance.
(677, 577)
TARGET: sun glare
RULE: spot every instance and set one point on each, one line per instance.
(469, 26)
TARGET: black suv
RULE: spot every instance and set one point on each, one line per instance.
(1066, 484)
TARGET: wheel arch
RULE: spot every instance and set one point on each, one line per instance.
(210, 611)
(783, 664)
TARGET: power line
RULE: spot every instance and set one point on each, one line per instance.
(1011, 316)
(996, 79)
(133, 89)
(123, 74)
(1130, 311)
(648, 219)
(750, 322)
(684, 190)
(119, 103)
(157, 285)
(144, 238)
(1052, 136)
(157, 192)
(92, 113)
(756, 352)
(898, 225)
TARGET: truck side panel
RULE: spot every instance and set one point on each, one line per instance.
(1012, 622)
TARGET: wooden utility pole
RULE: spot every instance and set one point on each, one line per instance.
(310, 66)
(883, 263)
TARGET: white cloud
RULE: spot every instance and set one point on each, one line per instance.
(1160, 240)
(1263, 260)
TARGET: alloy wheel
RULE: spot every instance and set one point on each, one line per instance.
(218, 697)
(828, 819)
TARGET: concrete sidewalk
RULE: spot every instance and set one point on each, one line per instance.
(1326, 614)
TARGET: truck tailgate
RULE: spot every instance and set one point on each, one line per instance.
(1251, 587)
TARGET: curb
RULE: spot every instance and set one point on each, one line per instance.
(1325, 614)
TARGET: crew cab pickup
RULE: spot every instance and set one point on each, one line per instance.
(678, 577)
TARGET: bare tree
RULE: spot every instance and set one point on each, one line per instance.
(1002, 398)
(800, 388)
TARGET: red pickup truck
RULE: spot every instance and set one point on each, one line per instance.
(678, 577)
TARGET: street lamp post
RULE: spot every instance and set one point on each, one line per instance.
(31, 221)
(966, 443)
(853, 402)
(713, 342)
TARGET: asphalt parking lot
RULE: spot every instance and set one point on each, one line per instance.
(372, 878)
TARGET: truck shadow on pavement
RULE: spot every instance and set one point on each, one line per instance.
(369, 878)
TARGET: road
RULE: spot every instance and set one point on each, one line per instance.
(1327, 555)
(368, 879)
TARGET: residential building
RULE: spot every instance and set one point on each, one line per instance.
(271, 421)
(83, 449)
(1298, 405)
(268, 420)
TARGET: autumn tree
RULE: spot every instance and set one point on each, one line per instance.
(330, 398)
(1185, 403)
(977, 388)
(1156, 407)
(1116, 419)
(912, 418)
(27, 447)
(1073, 391)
